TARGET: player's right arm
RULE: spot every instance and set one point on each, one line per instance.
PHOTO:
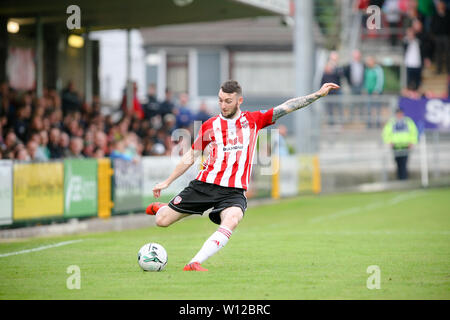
(187, 160)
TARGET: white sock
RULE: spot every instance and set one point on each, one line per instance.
(214, 243)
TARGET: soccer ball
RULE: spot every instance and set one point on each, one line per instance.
(152, 257)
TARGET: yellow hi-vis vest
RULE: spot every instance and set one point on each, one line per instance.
(400, 133)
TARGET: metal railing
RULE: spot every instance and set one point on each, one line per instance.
(352, 152)
(357, 110)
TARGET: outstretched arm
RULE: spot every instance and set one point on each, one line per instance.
(186, 162)
(301, 102)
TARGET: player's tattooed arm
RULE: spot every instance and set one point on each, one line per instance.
(293, 104)
(301, 102)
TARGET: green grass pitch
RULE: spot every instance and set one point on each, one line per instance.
(310, 247)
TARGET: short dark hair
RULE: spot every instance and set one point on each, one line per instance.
(231, 86)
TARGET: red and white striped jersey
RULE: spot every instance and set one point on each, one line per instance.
(232, 147)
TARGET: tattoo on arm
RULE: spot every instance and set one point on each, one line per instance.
(293, 104)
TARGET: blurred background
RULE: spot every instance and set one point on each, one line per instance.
(91, 92)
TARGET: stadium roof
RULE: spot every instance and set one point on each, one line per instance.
(128, 14)
(237, 33)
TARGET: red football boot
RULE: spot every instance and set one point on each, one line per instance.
(194, 266)
(153, 208)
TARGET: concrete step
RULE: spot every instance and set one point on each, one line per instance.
(437, 83)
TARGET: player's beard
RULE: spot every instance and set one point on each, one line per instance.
(233, 112)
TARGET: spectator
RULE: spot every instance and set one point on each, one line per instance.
(64, 144)
(75, 148)
(167, 106)
(359, 7)
(425, 42)
(281, 148)
(34, 152)
(99, 153)
(152, 106)
(373, 77)
(11, 142)
(70, 99)
(393, 15)
(374, 85)
(401, 134)
(426, 10)
(88, 149)
(203, 113)
(411, 13)
(21, 155)
(132, 145)
(405, 5)
(108, 123)
(22, 122)
(7, 104)
(101, 142)
(354, 72)
(37, 124)
(54, 147)
(331, 74)
(54, 99)
(42, 122)
(55, 118)
(158, 149)
(119, 152)
(440, 27)
(413, 60)
(334, 59)
(43, 145)
(148, 144)
(184, 116)
(170, 124)
(73, 127)
(137, 111)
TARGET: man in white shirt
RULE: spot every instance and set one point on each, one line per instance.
(413, 60)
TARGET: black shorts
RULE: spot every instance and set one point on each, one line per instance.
(200, 196)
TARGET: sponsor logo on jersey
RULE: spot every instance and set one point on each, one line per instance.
(233, 148)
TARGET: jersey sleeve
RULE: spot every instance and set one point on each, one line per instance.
(204, 136)
(263, 118)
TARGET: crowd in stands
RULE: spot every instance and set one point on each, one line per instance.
(422, 27)
(362, 75)
(57, 126)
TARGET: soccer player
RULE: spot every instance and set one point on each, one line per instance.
(231, 137)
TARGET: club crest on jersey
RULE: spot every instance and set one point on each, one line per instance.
(177, 200)
(244, 123)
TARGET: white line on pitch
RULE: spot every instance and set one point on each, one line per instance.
(371, 206)
(59, 244)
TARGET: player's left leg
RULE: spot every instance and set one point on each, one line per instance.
(230, 218)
